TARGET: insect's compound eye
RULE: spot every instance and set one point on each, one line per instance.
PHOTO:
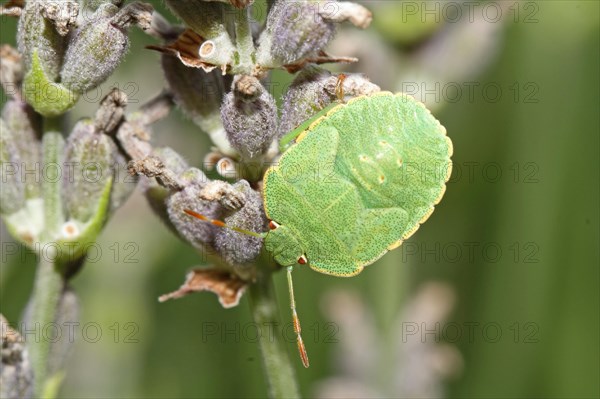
(273, 225)
(302, 260)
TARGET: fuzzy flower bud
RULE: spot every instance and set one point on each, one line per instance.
(12, 195)
(124, 184)
(294, 31)
(206, 18)
(98, 47)
(42, 47)
(249, 115)
(45, 96)
(26, 128)
(236, 248)
(109, 118)
(37, 33)
(156, 194)
(199, 94)
(89, 171)
(95, 4)
(305, 97)
(314, 89)
(198, 233)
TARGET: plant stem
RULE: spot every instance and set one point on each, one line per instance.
(52, 144)
(244, 42)
(47, 290)
(49, 282)
(263, 304)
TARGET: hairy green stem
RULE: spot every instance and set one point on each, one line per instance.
(244, 42)
(47, 290)
(49, 282)
(53, 144)
(280, 373)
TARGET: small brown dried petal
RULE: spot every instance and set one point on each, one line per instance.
(321, 58)
(135, 13)
(111, 111)
(135, 140)
(225, 285)
(63, 14)
(241, 3)
(186, 48)
(153, 166)
(223, 193)
(12, 8)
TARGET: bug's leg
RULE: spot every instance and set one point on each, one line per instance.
(339, 87)
(296, 320)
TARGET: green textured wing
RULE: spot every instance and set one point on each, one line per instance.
(304, 194)
(360, 180)
(395, 153)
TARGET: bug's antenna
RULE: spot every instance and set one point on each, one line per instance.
(296, 320)
(219, 223)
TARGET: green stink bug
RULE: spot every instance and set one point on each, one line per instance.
(361, 178)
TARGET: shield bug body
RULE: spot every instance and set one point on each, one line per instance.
(360, 178)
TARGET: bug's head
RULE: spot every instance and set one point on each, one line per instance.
(281, 242)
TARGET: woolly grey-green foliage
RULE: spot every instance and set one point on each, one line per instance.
(236, 248)
(249, 115)
(89, 160)
(37, 33)
(200, 235)
(12, 195)
(298, 30)
(314, 89)
(21, 118)
(98, 46)
(197, 92)
(305, 97)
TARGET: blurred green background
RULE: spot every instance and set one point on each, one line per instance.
(515, 239)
